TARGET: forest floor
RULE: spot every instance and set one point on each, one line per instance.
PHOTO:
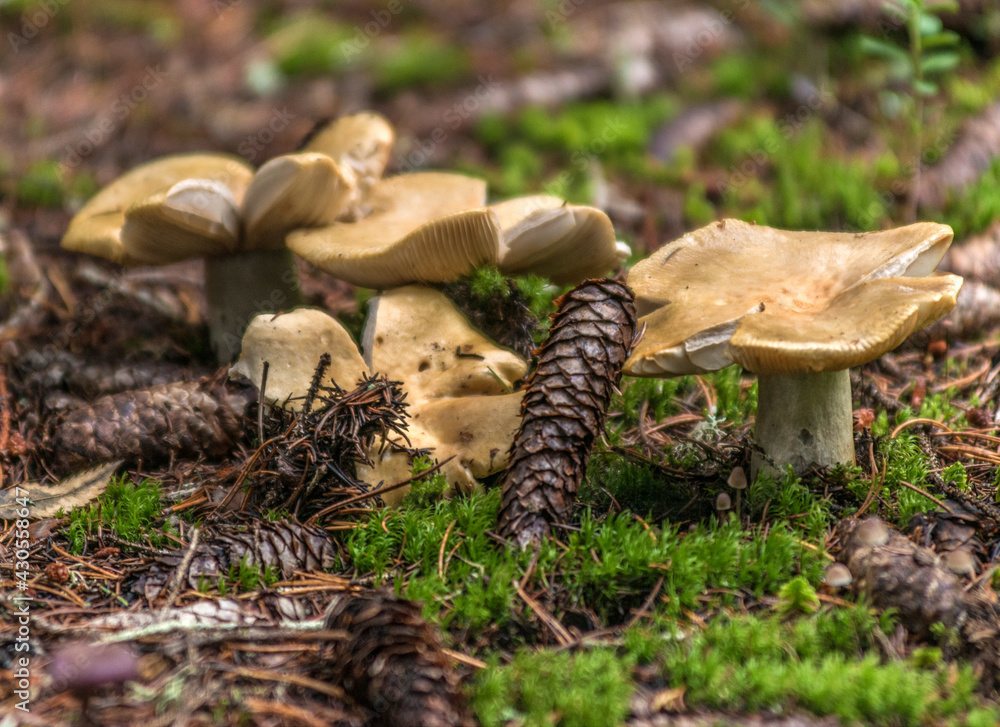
(653, 607)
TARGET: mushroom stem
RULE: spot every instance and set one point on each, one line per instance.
(242, 284)
(804, 420)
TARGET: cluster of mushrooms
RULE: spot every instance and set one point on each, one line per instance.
(796, 308)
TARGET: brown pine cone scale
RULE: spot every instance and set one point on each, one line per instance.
(394, 664)
(152, 424)
(566, 399)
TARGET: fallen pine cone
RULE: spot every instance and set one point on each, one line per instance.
(566, 398)
(153, 424)
(284, 546)
(394, 664)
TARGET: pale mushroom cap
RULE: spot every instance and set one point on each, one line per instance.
(361, 141)
(96, 228)
(293, 191)
(565, 243)
(838, 576)
(193, 218)
(292, 344)
(786, 302)
(416, 335)
(475, 430)
(425, 227)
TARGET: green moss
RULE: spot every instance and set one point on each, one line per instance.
(4, 277)
(428, 490)
(787, 178)
(419, 59)
(818, 664)
(540, 689)
(126, 509)
(41, 186)
(977, 206)
(310, 44)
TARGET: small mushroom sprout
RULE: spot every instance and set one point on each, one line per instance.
(796, 308)
(216, 207)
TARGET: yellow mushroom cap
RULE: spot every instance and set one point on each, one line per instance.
(361, 142)
(294, 191)
(291, 344)
(425, 227)
(784, 303)
(416, 335)
(96, 228)
(565, 243)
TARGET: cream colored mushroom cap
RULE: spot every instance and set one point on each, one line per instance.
(292, 343)
(361, 141)
(425, 227)
(193, 218)
(565, 243)
(416, 335)
(475, 430)
(293, 191)
(782, 302)
(96, 228)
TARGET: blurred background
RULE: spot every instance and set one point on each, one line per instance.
(841, 115)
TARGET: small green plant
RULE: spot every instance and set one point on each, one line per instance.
(930, 53)
(797, 597)
(126, 509)
(488, 282)
(427, 490)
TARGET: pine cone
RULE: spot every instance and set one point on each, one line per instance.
(152, 424)
(564, 405)
(284, 545)
(393, 663)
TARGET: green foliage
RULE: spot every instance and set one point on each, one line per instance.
(604, 565)
(544, 689)
(931, 49)
(310, 44)
(977, 206)
(4, 276)
(425, 491)
(126, 509)
(41, 185)
(789, 497)
(755, 664)
(245, 577)
(419, 59)
(786, 178)
(797, 596)
(487, 283)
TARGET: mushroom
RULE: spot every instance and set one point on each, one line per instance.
(291, 344)
(458, 383)
(796, 308)
(214, 206)
(432, 227)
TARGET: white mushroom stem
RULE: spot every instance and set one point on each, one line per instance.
(240, 285)
(804, 420)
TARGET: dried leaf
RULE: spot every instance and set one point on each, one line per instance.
(46, 501)
(564, 405)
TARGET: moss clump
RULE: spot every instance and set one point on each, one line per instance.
(817, 663)
(420, 59)
(126, 509)
(41, 186)
(540, 689)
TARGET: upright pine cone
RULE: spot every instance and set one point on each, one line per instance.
(393, 663)
(567, 396)
(152, 424)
